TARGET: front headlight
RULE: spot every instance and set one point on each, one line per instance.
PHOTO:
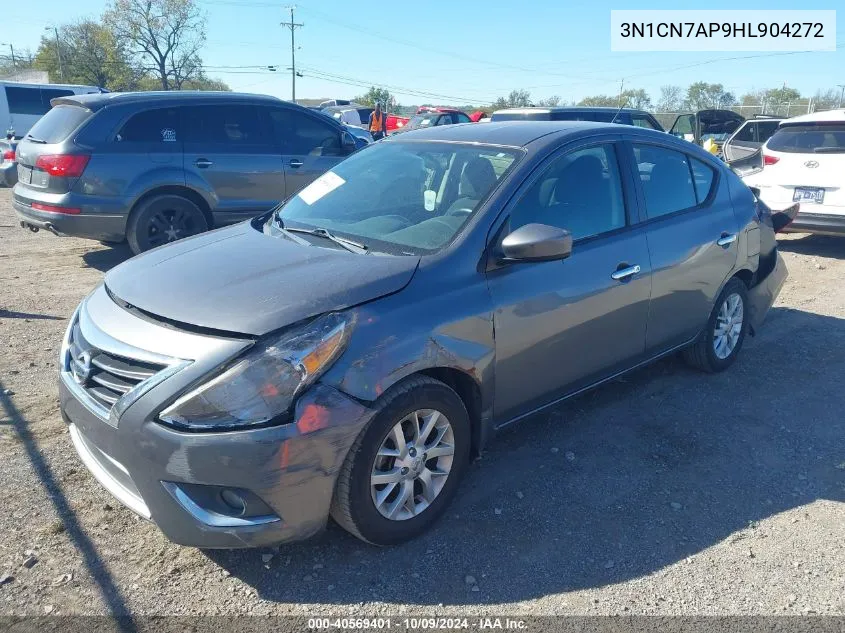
(265, 382)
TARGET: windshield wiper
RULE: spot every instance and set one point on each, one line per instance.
(353, 247)
(36, 140)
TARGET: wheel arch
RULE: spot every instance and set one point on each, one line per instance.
(178, 190)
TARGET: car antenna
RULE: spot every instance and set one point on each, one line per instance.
(623, 103)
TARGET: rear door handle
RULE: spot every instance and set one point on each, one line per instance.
(295, 163)
(726, 240)
(624, 273)
(202, 163)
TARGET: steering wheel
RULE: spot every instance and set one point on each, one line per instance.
(461, 211)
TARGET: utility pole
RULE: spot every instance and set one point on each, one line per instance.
(58, 51)
(842, 86)
(292, 26)
(14, 63)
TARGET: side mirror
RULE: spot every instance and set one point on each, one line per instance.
(347, 142)
(537, 243)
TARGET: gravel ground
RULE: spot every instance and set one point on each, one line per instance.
(666, 492)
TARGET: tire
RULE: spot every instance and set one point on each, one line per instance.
(161, 219)
(703, 353)
(354, 504)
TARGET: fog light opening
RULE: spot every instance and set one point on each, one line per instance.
(233, 501)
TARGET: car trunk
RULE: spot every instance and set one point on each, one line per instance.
(47, 161)
(805, 173)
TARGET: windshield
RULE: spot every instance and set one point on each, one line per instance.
(401, 198)
(809, 138)
(422, 120)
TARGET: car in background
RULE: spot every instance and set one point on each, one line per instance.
(698, 127)
(353, 114)
(396, 122)
(154, 167)
(743, 150)
(351, 352)
(21, 105)
(624, 116)
(804, 162)
(334, 102)
(8, 164)
(432, 117)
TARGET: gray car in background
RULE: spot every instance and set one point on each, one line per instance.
(349, 353)
(156, 167)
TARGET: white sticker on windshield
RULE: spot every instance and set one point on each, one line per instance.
(429, 199)
(326, 183)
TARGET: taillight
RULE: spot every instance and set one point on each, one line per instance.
(9, 154)
(770, 160)
(65, 165)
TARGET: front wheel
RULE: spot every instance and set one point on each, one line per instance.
(719, 344)
(405, 467)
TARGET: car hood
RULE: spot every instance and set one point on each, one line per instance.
(241, 280)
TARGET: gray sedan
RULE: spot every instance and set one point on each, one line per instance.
(350, 352)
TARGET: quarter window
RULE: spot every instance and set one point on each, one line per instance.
(666, 179)
(703, 177)
(153, 126)
(642, 121)
(580, 192)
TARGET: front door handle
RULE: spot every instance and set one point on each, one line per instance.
(726, 240)
(202, 163)
(624, 273)
(295, 163)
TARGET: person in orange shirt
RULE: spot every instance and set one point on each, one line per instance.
(378, 123)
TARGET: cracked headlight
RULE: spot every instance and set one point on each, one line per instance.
(264, 383)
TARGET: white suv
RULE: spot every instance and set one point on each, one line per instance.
(804, 161)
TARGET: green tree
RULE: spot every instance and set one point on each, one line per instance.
(516, 99)
(24, 60)
(164, 36)
(702, 95)
(90, 54)
(378, 95)
(549, 102)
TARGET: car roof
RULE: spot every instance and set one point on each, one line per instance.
(96, 101)
(538, 109)
(506, 133)
(818, 117)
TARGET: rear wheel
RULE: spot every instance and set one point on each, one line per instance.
(720, 342)
(405, 467)
(162, 219)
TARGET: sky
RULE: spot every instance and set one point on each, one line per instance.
(454, 51)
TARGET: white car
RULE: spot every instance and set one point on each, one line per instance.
(804, 161)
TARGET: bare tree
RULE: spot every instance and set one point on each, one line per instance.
(671, 99)
(165, 35)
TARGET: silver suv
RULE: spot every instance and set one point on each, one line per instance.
(156, 167)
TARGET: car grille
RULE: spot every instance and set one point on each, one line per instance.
(104, 376)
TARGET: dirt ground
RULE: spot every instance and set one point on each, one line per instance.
(666, 492)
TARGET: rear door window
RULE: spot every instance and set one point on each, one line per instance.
(234, 125)
(161, 125)
(809, 138)
(462, 118)
(58, 123)
(666, 179)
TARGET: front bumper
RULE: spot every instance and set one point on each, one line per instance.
(155, 470)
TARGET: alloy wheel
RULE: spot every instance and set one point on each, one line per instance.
(728, 328)
(412, 464)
